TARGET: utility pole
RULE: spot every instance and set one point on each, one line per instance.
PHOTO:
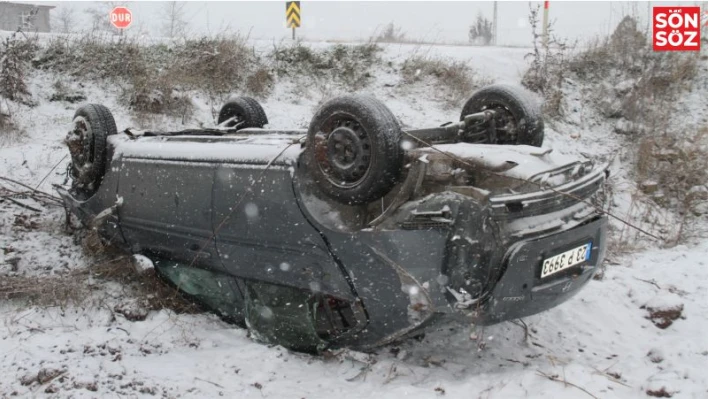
(545, 24)
(495, 26)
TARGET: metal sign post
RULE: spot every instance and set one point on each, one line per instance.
(494, 26)
(292, 15)
(545, 24)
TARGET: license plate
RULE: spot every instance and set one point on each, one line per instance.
(567, 259)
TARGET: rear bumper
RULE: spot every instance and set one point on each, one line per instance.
(521, 292)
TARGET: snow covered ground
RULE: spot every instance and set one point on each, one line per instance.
(602, 343)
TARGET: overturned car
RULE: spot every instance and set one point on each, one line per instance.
(355, 232)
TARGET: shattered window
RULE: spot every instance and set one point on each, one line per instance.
(215, 291)
(282, 315)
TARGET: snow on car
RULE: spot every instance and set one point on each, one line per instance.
(355, 232)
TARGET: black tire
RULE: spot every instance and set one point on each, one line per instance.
(353, 149)
(518, 119)
(247, 111)
(262, 118)
(92, 124)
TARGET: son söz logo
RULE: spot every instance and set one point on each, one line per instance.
(676, 29)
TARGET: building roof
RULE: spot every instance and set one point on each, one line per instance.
(27, 4)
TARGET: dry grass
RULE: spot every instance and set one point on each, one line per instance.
(144, 291)
(6, 125)
(158, 96)
(260, 83)
(42, 291)
(156, 77)
(673, 168)
(671, 173)
(640, 92)
(216, 66)
(9, 132)
(628, 79)
(454, 81)
(637, 89)
(93, 56)
(640, 81)
(346, 66)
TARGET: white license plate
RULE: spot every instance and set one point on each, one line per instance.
(567, 259)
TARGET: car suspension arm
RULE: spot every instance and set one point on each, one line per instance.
(455, 132)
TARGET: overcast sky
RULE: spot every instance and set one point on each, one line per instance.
(431, 21)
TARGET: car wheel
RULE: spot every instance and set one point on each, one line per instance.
(245, 111)
(517, 118)
(91, 126)
(354, 150)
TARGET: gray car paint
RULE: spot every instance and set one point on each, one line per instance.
(245, 219)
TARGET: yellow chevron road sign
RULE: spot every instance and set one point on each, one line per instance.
(292, 14)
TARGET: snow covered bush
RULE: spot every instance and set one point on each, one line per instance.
(625, 78)
(155, 77)
(638, 90)
(216, 66)
(345, 66)
(620, 82)
(672, 170)
(16, 51)
(158, 95)
(634, 81)
(95, 56)
(158, 78)
(452, 81)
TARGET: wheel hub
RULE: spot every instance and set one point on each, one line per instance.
(346, 153)
(505, 125)
(80, 143)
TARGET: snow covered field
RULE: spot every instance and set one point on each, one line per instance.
(599, 344)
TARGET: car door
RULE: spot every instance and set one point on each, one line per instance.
(261, 233)
(167, 208)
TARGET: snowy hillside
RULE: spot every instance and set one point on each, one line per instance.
(603, 343)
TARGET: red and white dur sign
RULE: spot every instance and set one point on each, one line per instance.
(121, 17)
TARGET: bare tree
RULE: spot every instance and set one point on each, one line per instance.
(481, 30)
(174, 23)
(65, 19)
(391, 34)
(99, 15)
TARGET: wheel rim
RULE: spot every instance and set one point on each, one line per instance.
(342, 150)
(80, 143)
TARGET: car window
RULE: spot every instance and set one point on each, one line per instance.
(282, 315)
(214, 290)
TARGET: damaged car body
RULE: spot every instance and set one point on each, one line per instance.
(355, 232)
